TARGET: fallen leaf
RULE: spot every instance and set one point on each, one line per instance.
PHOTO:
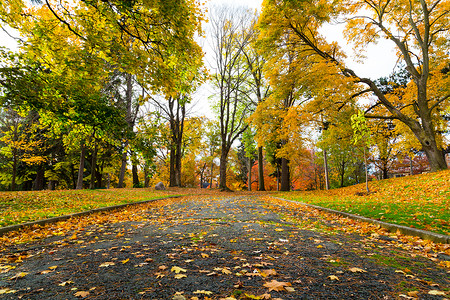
(178, 297)
(19, 275)
(276, 285)
(7, 291)
(357, 270)
(226, 271)
(125, 261)
(289, 289)
(203, 292)
(65, 283)
(204, 255)
(268, 272)
(163, 267)
(179, 276)
(81, 294)
(436, 293)
(177, 269)
(414, 294)
(333, 277)
(106, 264)
(279, 229)
(159, 275)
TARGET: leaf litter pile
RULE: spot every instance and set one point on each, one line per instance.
(219, 247)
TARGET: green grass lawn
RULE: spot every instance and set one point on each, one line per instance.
(420, 201)
(21, 207)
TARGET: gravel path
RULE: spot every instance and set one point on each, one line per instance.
(224, 247)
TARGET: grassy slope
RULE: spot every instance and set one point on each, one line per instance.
(420, 201)
(20, 207)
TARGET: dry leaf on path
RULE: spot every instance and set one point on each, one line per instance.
(106, 264)
(177, 269)
(436, 293)
(357, 270)
(81, 294)
(276, 285)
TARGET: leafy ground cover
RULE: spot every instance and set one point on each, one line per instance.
(221, 247)
(420, 201)
(21, 207)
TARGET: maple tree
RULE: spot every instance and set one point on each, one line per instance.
(417, 30)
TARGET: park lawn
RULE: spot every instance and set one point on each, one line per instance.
(420, 201)
(21, 207)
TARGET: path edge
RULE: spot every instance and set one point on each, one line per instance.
(17, 227)
(424, 234)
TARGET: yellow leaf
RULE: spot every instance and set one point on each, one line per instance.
(436, 293)
(203, 292)
(19, 275)
(7, 291)
(65, 283)
(106, 264)
(357, 270)
(177, 269)
(279, 229)
(204, 255)
(53, 267)
(333, 277)
(125, 261)
(179, 276)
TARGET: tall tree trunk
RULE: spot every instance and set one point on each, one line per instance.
(81, 168)
(223, 169)
(172, 179)
(39, 181)
(178, 164)
(261, 186)
(325, 162)
(367, 172)
(14, 170)
(411, 169)
(93, 166)
(134, 171)
(249, 174)
(146, 177)
(123, 167)
(285, 176)
(342, 173)
(212, 168)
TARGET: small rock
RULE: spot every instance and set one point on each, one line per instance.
(160, 186)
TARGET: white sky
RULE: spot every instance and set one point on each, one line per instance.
(380, 58)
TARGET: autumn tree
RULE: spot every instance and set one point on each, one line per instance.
(228, 38)
(417, 29)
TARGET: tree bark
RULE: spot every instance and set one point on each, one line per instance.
(366, 171)
(325, 162)
(285, 176)
(81, 168)
(39, 181)
(249, 179)
(14, 170)
(223, 169)
(261, 186)
(123, 167)
(93, 167)
(134, 171)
